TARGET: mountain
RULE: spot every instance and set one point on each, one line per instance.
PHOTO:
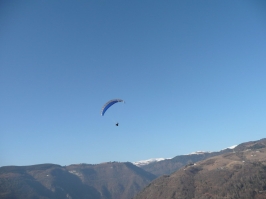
(113, 180)
(237, 174)
(162, 166)
(231, 173)
(102, 181)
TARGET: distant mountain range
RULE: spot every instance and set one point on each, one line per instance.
(142, 163)
(201, 175)
(82, 181)
(161, 166)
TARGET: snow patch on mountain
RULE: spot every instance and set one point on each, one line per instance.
(202, 152)
(232, 147)
(199, 152)
(146, 162)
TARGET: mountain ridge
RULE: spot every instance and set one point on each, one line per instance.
(102, 181)
(152, 160)
(125, 180)
(237, 174)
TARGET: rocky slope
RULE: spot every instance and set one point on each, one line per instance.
(238, 174)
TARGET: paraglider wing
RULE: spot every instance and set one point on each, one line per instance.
(109, 104)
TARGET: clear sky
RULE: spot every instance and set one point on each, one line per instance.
(192, 73)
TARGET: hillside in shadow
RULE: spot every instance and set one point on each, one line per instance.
(49, 181)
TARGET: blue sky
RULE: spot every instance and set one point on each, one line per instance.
(192, 74)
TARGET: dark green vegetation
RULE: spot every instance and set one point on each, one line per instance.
(228, 174)
(234, 175)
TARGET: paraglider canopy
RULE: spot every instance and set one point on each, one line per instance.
(109, 104)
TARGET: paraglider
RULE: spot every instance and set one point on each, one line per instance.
(108, 104)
